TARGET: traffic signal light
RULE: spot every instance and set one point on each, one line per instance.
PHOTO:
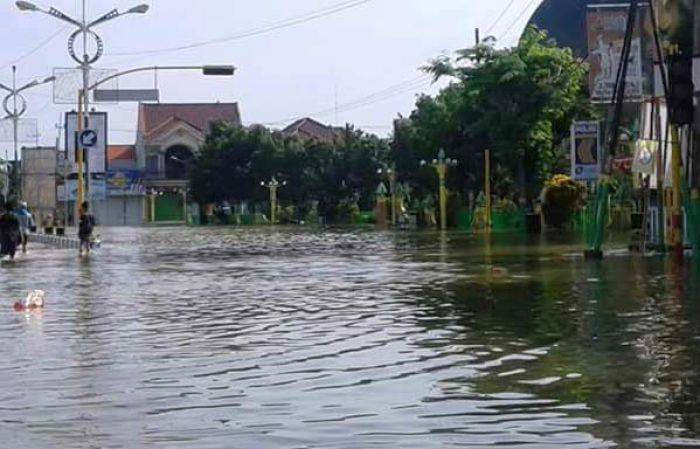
(681, 89)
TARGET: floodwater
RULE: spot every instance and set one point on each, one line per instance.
(293, 338)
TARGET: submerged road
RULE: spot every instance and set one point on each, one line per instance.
(294, 338)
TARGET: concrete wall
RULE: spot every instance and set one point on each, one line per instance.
(38, 178)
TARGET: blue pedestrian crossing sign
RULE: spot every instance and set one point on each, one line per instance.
(88, 138)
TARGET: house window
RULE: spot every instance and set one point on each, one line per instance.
(178, 162)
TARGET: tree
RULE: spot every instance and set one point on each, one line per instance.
(235, 160)
(519, 102)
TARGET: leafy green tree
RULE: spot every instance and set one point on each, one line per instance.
(338, 176)
(519, 102)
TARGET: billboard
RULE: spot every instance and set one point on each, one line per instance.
(96, 155)
(68, 191)
(586, 154)
(69, 80)
(26, 130)
(124, 183)
(606, 27)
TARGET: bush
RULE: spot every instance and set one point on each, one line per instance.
(347, 211)
(286, 215)
(563, 196)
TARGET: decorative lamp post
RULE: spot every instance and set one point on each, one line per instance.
(440, 165)
(390, 173)
(15, 105)
(273, 185)
(85, 62)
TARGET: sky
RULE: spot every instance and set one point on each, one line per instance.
(340, 61)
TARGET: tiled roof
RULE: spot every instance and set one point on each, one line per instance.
(199, 115)
(121, 153)
(311, 129)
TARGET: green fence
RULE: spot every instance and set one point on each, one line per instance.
(501, 221)
(465, 220)
(508, 221)
(364, 218)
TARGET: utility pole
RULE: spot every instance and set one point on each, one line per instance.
(14, 112)
(85, 62)
(390, 173)
(487, 189)
(15, 136)
(695, 184)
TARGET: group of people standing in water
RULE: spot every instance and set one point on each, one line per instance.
(16, 224)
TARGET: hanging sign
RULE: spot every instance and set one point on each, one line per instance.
(645, 157)
(585, 151)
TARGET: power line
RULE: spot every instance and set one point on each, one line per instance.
(500, 16)
(35, 49)
(292, 21)
(375, 97)
(517, 19)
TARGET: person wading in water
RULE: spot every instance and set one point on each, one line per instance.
(85, 228)
(10, 234)
(26, 224)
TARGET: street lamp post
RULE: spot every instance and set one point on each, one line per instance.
(440, 165)
(273, 185)
(84, 29)
(14, 112)
(390, 173)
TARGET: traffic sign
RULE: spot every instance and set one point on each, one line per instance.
(88, 138)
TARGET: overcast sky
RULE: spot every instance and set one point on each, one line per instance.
(369, 52)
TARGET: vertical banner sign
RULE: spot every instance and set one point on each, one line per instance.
(585, 151)
(97, 154)
(606, 26)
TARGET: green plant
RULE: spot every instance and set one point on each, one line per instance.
(563, 196)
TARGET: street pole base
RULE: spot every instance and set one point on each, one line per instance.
(593, 254)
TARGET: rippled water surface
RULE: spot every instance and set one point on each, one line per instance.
(255, 338)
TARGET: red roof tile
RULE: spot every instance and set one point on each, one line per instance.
(121, 152)
(199, 115)
(311, 129)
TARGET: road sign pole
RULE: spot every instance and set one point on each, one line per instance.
(79, 159)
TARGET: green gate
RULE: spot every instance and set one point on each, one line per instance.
(169, 207)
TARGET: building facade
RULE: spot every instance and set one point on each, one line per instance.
(125, 192)
(38, 181)
(169, 138)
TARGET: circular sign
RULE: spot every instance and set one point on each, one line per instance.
(88, 138)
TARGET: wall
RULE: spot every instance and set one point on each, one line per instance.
(38, 178)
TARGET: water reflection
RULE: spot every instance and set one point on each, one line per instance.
(217, 338)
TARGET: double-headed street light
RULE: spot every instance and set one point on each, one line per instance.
(273, 185)
(440, 165)
(390, 173)
(85, 60)
(15, 105)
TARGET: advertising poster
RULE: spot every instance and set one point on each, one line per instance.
(606, 26)
(585, 151)
(124, 183)
(68, 191)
